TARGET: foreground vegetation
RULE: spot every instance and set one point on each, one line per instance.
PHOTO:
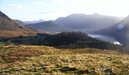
(41, 60)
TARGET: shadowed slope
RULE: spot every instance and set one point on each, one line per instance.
(120, 31)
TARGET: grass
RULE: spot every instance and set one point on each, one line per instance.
(2, 43)
(41, 60)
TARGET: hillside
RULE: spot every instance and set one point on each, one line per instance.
(10, 28)
(66, 40)
(47, 26)
(40, 60)
(119, 31)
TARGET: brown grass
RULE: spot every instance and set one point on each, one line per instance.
(40, 60)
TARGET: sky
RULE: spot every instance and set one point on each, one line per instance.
(27, 10)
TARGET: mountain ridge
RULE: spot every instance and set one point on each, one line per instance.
(48, 26)
(80, 22)
(87, 23)
(13, 28)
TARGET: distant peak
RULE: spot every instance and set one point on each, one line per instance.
(77, 15)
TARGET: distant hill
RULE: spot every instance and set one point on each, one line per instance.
(48, 26)
(11, 28)
(87, 23)
(120, 31)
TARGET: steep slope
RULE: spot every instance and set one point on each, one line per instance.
(10, 28)
(48, 26)
(120, 31)
(86, 23)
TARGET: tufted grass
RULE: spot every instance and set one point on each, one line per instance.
(45, 60)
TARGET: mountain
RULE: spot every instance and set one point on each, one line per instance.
(87, 23)
(11, 28)
(77, 22)
(48, 26)
(119, 31)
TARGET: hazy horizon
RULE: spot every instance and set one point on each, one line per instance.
(27, 10)
(43, 19)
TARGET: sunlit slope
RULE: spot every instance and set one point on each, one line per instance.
(10, 28)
